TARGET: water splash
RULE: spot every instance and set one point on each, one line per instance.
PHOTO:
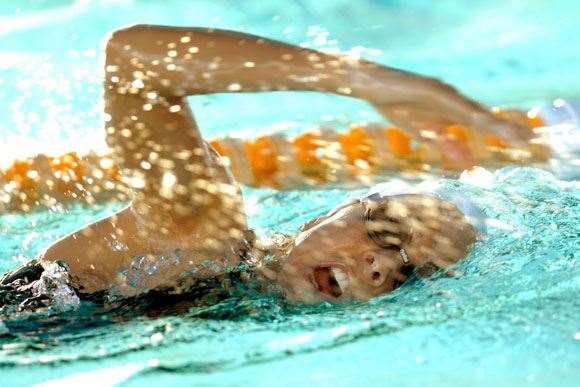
(54, 284)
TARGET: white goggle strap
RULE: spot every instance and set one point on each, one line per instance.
(404, 256)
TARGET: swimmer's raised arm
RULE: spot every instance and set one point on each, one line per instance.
(186, 61)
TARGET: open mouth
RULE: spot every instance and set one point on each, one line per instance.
(330, 280)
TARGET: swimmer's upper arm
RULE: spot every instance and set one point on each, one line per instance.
(174, 178)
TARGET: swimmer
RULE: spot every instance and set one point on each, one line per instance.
(185, 224)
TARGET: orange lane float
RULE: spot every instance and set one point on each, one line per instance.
(315, 157)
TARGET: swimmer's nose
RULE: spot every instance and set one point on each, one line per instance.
(372, 273)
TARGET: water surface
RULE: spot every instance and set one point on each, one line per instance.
(511, 319)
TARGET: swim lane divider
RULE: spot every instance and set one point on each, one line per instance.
(318, 156)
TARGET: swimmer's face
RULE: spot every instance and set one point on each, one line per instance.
(334, 260)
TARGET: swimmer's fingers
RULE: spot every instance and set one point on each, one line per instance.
(428, 126)
(513, 132)
(422, 104)
(457, 153)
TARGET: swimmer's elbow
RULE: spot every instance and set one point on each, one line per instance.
(51, 253)
(124, 33)
(120, 38)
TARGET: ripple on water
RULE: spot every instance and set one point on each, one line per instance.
(518, 297)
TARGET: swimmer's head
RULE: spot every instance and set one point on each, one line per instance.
(366, 249)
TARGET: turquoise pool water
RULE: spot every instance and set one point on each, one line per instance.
(511, 319)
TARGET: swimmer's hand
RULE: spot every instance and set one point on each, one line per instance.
(426, 106)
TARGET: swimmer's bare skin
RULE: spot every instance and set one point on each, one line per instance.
(183, 197)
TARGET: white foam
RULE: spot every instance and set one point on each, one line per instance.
(54, 283)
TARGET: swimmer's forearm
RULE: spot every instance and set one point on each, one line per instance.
(186, 61)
